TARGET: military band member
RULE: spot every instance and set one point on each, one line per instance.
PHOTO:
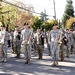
(39, 37)
(73, 41)
(17, 42)
(48, 44)
(26, 45)
(54, 44)
(68, 44)
(12, 41)
(63, 44)
(3, 43)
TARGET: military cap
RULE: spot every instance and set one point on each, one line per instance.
(55, 25)
(25, 23)
(2, 25)
(16, 26)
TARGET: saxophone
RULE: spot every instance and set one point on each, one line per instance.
(59, 38)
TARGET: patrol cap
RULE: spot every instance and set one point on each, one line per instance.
(2, 25)
(25, 23)
(55, 25)
(38, 28)
(16, 26)
(67, 29)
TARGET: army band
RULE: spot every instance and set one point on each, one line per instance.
(60, 43)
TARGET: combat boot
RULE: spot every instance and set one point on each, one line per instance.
(18, 55)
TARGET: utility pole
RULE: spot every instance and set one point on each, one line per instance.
(54, 9)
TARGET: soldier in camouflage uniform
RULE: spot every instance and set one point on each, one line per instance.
(3, 44)
(73, 34)
(39, 37)
(71, 40)
(26, 44)
(17, 42)
(54, 37)
(62, 45)
(68, 45)
(48, 44)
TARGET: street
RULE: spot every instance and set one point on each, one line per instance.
(37, 67)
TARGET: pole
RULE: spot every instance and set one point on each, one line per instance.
(54, 9)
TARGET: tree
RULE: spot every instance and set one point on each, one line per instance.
(69, 23)
(36, 23)
(15, 15)
(69, 12)
(0, 6)
(0, 9)
(43, 16)
(47, 26)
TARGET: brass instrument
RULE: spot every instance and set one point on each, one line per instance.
(26, 42)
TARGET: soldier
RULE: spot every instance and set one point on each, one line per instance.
(63, 44)
(39, 37)
(73, 34)
(17, 42)
(31, 39)
(72, 40)
(68, 44)
(26, 36)
(54, 38)
(3, 43)
(48, 44)
(12, 42)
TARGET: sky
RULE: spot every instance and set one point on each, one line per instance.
(41, 5)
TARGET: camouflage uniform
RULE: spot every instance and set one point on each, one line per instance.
(62, 46)
(48, 43)
(39, 44)
(17, 43)
(54, 45)
(68, 45)
(4, 36)
(73, 41)
(12, 42)
(26, 44)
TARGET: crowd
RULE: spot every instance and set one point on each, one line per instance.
(60, 43)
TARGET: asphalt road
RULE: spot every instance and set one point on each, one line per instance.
(37, 67)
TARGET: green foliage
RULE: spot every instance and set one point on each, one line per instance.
(0, 8)
(43, 25)
(47, 26)
(43, 16)
(37, 23)
(69, 23)
(69, 12)
(15, 16)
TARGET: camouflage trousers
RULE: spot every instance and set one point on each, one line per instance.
(3, 51)
(74, 47)
(55, 51)
(62, 52)
(68, 48)
(40, 49)
(27, 52)
(17, 46)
